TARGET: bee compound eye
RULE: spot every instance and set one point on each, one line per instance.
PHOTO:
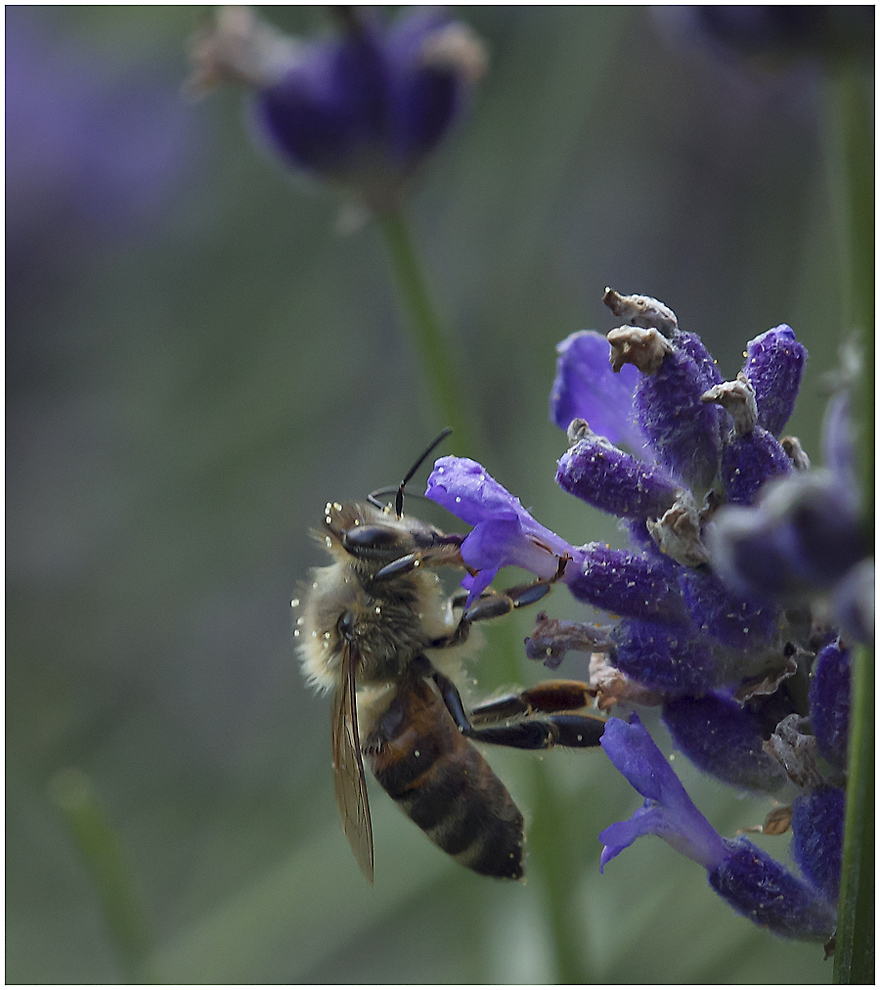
(377, 540)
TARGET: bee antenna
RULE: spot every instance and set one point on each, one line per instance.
(398, 501)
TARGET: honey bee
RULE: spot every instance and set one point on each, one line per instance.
(376, 628)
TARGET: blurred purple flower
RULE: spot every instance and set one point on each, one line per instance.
(360, 111)
(804, 539)
(775, 34)
(95, 150)
(90, 143)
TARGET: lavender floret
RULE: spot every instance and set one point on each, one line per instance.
(722, 738)
(829, 702)
(762, 890)
(604, 476)
(774, 365)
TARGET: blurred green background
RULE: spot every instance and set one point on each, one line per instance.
(197, 360)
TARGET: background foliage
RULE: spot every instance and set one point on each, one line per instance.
(199, 360)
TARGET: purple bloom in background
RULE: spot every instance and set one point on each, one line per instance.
(732, 536)
(776, 32)
(361, 110)
(587, 388)
(89, 143)
(96, 150)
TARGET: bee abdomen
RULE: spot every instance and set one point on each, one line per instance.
(443, 783)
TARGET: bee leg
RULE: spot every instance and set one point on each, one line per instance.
(558, 729)
(492, 604)
(546, 697)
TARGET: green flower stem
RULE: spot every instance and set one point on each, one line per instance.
(549, 852)
(854, 951)
(434, 350)
(99, 845)
(851, 167)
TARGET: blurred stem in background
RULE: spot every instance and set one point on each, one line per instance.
(561, 861)
(548, 846)
(102, 854)
(850, 144)
(436, 356)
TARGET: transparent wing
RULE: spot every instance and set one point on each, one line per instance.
(348, 767)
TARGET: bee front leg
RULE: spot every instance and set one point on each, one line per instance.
(493, 603)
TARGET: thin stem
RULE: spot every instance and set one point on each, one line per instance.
(851, 166)
(103, 856)
(433, 347)
(854, 951)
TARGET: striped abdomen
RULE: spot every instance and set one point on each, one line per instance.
(442, 782)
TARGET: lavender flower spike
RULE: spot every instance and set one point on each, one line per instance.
(504, 532)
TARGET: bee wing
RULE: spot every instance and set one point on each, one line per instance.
(348, 767)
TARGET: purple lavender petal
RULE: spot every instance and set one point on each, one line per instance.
(504, 532)
(586, 388)
(668, 812)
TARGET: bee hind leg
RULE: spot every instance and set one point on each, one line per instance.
(557, 728)
(547, 697)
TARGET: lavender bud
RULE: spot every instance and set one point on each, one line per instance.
(602, 475)
(750, 460)
(724, 739)
(633, 585)
(661, 656)
(762, 890)
(683, 430)
(775, 365)
(748, 623)
(830, 701)
(817, 838)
